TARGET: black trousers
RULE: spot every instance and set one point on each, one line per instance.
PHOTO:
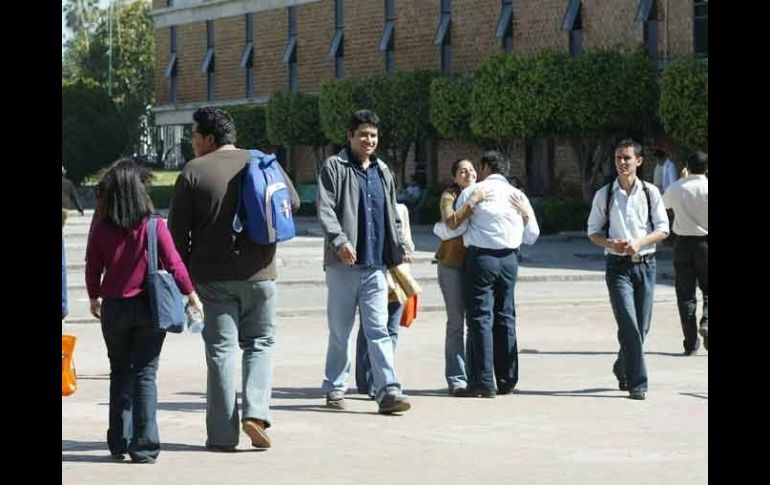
(691, 264)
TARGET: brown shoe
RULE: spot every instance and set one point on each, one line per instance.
(255, 429)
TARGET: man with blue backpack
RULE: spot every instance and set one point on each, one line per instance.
(229, 209)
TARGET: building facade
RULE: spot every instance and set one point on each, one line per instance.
(232, 52)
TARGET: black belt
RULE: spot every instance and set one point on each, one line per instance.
(636, 259)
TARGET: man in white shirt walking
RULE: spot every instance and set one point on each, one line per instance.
(493, 235)
(627, 219)
(689, 199)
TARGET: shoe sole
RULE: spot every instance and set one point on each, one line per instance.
(398, 407)
(637, 397)
(259, 439)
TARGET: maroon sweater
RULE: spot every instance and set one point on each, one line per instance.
(122, 259)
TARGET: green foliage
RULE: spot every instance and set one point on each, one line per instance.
(337, 101)
(294, 119)
(401, 100)
(608, 92)
(92, 131)
(556, 214)
(450, 106)
(132, 45)
(250, 126)
(684, 102)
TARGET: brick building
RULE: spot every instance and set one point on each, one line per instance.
(230, 52)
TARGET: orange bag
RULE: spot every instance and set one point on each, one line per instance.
(410, 311)
(69, 380)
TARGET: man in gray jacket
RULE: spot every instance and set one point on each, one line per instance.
(357, 211)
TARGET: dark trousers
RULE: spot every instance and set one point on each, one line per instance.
(364, 377)
(631, 287)
(691, 265)
(133, 347)
(492, 352)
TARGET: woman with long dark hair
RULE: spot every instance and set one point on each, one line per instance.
(116, 267)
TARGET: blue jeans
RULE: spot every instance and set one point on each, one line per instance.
(450, 280)
(363, 365)
(631, 287)
(366, 290)
(133, 347)
(237, 314)
(490, 281)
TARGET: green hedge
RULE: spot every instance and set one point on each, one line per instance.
(556, 214)
(161, 196)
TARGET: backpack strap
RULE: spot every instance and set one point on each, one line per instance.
(607, 209)
(152, 244)
(646, 191)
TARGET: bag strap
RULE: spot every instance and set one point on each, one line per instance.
(152, 244)
(264, 160)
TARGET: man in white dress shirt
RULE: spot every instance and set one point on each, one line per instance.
(493, 235)
(689, 199)
(627, 219)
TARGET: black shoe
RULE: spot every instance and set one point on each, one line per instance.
(118, 456)
(474, 392)
(688, 353)
(706, 342)
(623, 385)
(637, 395)
(144, 459)
(503, 389)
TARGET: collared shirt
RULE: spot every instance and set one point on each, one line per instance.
(371, 214)
(689, 198)
(495, 223)
(629, 216)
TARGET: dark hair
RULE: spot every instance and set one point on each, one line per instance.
(697, 162)
(495, 161)
(363, 117)
(631, 143)
(217, 122)
(456, 165)
(122, 196)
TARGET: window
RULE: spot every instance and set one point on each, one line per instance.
(647, 13)
(208, 62)
(247, 58)
(386, 40)
(505, 25)
(573, 23)
(170, 71)
(290, 53)
(336, 49)
(443, 36)
(701, 28)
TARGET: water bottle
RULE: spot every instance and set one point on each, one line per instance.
(194, 320)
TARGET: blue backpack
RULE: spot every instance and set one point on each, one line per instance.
(264, 202)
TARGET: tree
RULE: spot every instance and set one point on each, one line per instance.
(294, 119)
(80, 17)
(92, 130)
(607, 94)
(684, 102)
(450, 110)
(128, 75)
(337, 101)
(402, 101)
(251, 126)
